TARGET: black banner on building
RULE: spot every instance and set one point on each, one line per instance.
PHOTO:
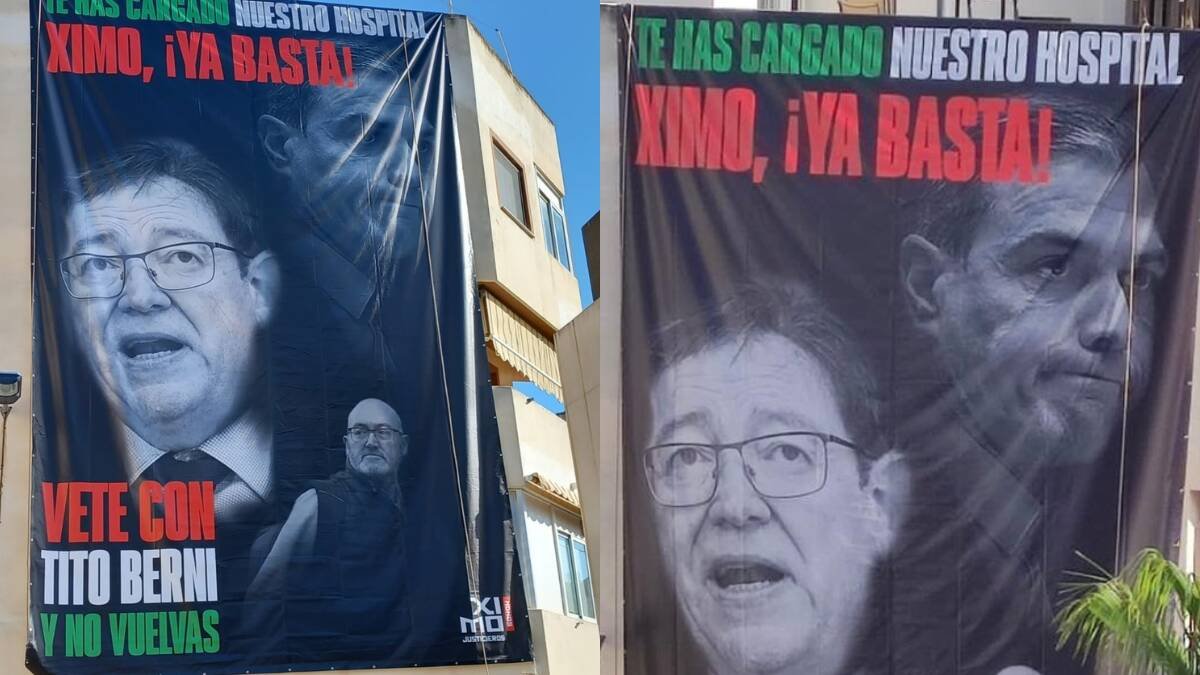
(265, 436)
(905, 327)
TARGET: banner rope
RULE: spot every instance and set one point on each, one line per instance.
(622, 178)
(467, 551)
(36, 58)
(1131, 289)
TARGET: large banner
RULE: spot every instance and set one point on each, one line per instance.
(906, 332)
(265, 438)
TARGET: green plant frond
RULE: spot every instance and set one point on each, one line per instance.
(1148, 617)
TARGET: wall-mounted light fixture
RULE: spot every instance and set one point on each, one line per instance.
(10, 393)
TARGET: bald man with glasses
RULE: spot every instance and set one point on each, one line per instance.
(339, 559)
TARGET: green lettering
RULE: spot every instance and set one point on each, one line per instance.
(751, 33)
(49, 626)
(723, 37)
(682, 54)
(769, 59)
(831, 57)
(872, 57)
(810, 57)
(212, 643)
(702, 54)
(118, 624)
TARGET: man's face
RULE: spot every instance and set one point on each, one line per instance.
(177, 364)
(374, 456)
(354, 165)
(1034, 322)
(766, 585)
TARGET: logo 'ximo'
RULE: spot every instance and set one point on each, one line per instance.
(490, 619)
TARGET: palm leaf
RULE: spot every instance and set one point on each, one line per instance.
(1147, 618)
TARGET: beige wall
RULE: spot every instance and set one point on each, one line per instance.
(16, 346)
(589, 360)
(492, 106)
(533, 439)
(566, 639)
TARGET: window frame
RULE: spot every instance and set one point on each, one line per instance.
(554, 202)
(576, 589)
(499, 149)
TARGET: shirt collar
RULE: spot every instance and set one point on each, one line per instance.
(244, 447)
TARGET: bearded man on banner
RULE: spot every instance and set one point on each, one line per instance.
(1039, 302)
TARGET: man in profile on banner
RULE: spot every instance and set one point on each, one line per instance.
(370, 236)
(1039, 302)
(356, 171)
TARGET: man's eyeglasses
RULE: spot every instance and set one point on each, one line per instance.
(175, 267)
(792, 464)
(383, 433)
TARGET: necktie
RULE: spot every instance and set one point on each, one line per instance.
(188, 465)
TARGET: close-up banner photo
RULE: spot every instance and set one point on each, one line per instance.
(265, 437)
(905, 346)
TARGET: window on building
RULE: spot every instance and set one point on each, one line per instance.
(583, 577)
(510, 185)
(576, 576)
(554, 225)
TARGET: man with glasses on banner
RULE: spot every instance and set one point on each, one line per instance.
(768, 493)
(339, 559)
(168, 293)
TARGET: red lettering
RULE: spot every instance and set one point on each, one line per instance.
(1045, 119)
(700, 128)
(268, 67)
(175, 510)
(57, 38)
(202, 510)
(818, 110)
(959, 164)
(791, 148)
(210, 58)
(54, 504)
(925, 155)
(99, 50)
(891, 148)
(671, 127)
(310, 56)
(1016, 154)
(293, 72)
(243, 58)
(738, 155)
(150, 526)
(116, 512)
(649, 101)
(77, 510)
(990, 109)
(129, 50)
(331, 70)
(845, 155)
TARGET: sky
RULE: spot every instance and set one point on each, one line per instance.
(554, 46)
